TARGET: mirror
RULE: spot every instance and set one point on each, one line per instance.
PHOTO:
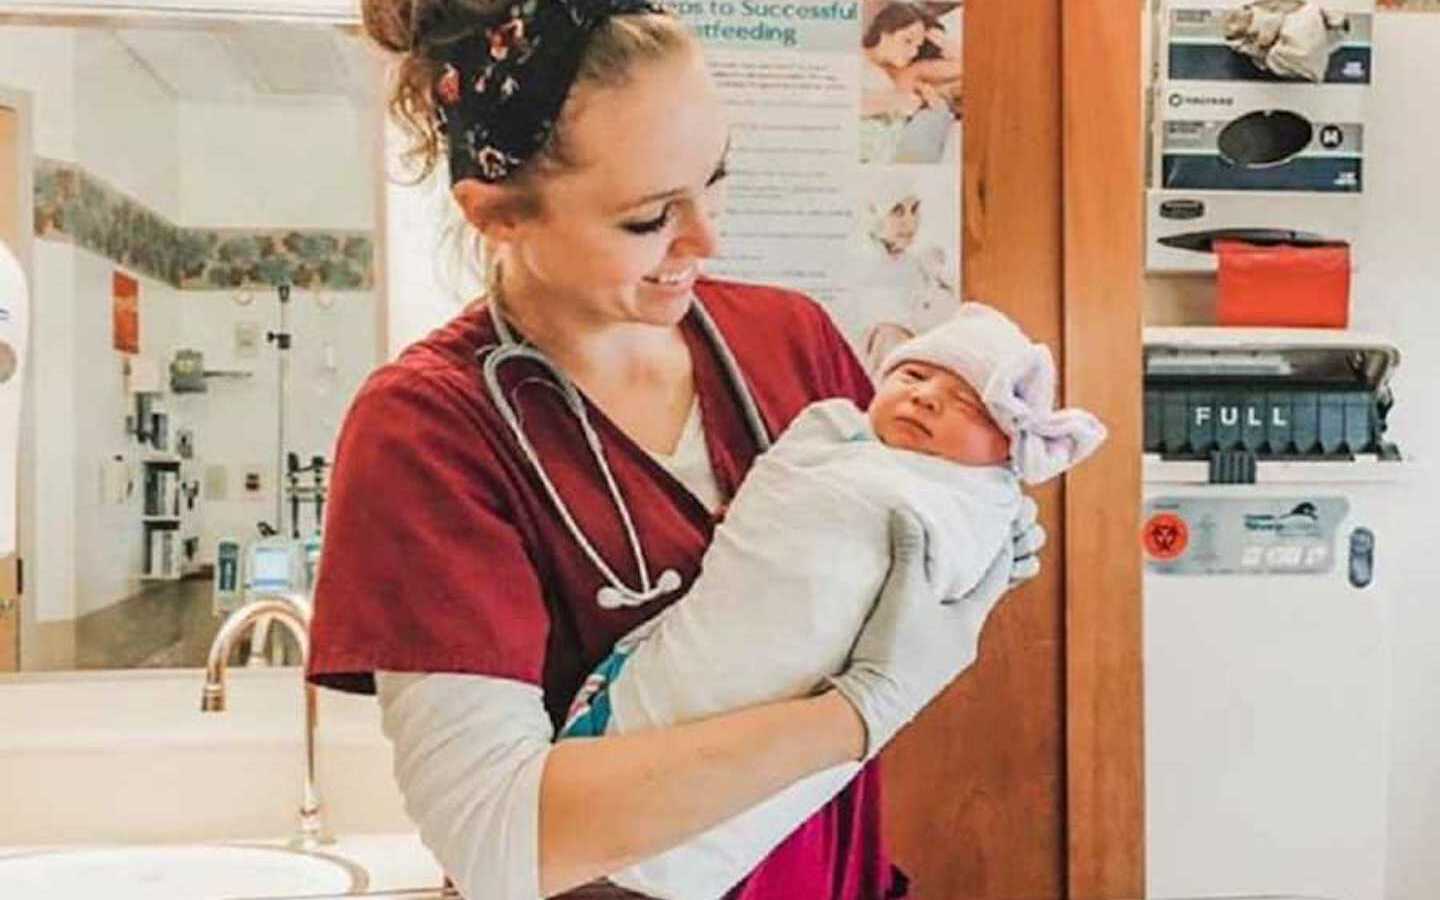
(204, 303)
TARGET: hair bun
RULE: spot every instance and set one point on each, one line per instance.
(390, 23)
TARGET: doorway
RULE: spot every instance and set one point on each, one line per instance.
(10, 233)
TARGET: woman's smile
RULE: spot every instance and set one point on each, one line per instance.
(676, 278)
(672, 286)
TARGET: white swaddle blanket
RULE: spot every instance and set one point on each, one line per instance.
(784, 589)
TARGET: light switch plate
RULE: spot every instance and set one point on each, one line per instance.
(217, 483)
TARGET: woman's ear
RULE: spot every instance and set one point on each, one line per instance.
(493, 209)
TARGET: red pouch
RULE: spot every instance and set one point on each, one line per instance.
(1306, 287)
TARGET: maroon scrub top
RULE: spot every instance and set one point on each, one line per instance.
(444, 554)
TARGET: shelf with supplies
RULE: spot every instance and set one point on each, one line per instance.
(169, 517)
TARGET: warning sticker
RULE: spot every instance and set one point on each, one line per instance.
(1166, 536)
(1242, 535)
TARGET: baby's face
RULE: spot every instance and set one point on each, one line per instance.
(931, 410)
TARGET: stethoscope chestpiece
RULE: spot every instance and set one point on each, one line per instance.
(611, 597)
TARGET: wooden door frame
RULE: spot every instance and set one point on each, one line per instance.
(1025, 779)
(1044, 737)
(18, 620)
(1101, 87)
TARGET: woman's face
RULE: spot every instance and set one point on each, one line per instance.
(899, 225)
(622, 234)
(928, 409)
(900, 47)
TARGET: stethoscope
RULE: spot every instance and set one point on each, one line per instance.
(615, 593)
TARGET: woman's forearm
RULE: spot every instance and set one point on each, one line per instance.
(606, 803)
(887, 102)
(936, 71)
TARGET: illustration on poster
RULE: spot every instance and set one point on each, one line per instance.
(905, 283)
(912, 76)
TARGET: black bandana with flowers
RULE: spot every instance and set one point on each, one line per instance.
(507, 73)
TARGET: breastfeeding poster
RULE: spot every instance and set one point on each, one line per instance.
(845, 157)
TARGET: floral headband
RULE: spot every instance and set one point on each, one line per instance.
(507, 73)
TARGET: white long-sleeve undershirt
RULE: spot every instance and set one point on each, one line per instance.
(470, 749)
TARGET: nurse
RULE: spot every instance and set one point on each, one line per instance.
(587, 145)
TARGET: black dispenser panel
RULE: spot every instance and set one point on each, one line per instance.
(1190, 418)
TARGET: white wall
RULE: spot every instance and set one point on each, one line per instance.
(52, 370)
(236, 419)
(298, 164)
(42, 62)
(126, 123)
(1397, 293)
(127, 134)
(303, 165)
(108, 544)
(428, 279)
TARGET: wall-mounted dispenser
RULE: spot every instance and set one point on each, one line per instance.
(1265, 137)
(1239, 149)
(14, 330)
(1224, 40)
(1277, 397)
(1183, 226)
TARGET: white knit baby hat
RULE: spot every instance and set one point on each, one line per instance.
(1015, 378)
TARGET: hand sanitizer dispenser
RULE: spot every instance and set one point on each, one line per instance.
(14, 324)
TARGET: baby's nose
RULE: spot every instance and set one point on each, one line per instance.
(927, 398)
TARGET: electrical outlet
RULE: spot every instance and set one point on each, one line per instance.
(247, 340)
(253, 482)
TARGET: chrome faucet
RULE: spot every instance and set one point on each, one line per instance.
(293, 610)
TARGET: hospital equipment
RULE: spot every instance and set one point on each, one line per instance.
(615, 593)
(1271, 487)
(227, 594)
(270, 566)
(282, 340)
(1236, 147)
(298, 493)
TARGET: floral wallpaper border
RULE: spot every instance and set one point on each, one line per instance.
(73, 205)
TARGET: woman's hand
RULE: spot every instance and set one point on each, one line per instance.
(908, 102)
(930, 97)
(907, 650)
(1017, 564)
(1028, 538)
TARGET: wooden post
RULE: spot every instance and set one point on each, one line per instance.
(1103, 169)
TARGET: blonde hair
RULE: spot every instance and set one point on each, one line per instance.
(619, 45)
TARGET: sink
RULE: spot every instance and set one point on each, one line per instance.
(192, 871)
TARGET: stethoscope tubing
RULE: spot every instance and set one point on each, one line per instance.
(615, 593)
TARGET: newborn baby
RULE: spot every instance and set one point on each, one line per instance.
(964, 414)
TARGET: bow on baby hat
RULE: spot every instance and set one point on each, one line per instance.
(1016, 380)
